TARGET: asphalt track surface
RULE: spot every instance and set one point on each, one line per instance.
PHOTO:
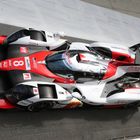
(76, 124)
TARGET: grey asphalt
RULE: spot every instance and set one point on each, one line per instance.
(78, 124)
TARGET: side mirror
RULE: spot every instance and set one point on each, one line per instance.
(77, 95)
(57, 35)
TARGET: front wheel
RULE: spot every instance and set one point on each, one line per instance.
(132, 105)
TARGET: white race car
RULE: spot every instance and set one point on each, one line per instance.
(45, 72)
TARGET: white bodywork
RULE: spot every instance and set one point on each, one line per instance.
(63, 99)
(92, 92)
(112, 47)
(53, 41)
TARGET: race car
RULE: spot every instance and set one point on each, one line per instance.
(42, 71)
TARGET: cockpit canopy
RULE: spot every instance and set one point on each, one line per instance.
(75, 64)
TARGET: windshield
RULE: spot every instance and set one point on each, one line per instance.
(74, 64)
(57, 64)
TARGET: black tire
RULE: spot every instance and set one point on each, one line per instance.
(33, 108)
(132, 105)
(39, 106)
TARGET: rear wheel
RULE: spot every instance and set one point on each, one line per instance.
(33, 108)
(39, 106)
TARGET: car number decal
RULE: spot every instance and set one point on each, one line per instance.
(17, 63)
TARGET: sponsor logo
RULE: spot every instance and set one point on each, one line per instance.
(23, 50)
(35, 90)
(27, 76)
(60, 92)
(27, 63)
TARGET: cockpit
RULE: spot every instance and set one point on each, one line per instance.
(76, 64)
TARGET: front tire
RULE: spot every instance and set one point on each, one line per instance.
(132, 105)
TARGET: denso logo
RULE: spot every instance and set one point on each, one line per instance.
(27, 63)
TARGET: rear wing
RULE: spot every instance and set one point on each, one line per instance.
(137, 56)
(34, 34)
(135, 47)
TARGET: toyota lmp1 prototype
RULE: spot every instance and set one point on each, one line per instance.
(39, 70)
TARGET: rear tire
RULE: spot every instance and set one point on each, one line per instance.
(39, 106)
(33, 108)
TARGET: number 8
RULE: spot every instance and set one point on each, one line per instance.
(18, 63)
